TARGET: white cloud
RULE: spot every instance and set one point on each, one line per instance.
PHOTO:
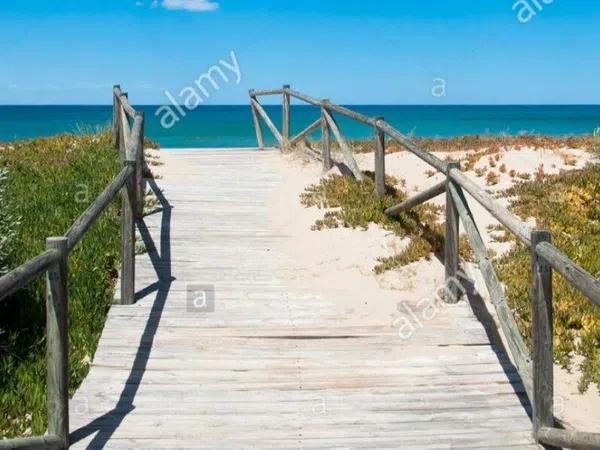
(190, 5)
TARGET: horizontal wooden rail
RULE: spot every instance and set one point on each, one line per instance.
(569, 438)
(268, 92)
(422, 197)
(26, 273)
(87, 219)
(577, 276)
(32, 443)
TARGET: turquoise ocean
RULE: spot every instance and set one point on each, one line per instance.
(231, 126)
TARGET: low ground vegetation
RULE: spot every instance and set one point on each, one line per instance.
(45, 184)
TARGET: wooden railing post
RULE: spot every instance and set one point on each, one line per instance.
(285, 122)
(325, 139)
(122, 115)
(139, 169)
(541, 322)
(128, 238)
(116, 118)
(452, 291)
(379, 160)
(260, 140)
(57, 342)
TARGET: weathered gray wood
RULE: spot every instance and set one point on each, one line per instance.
(281, 362)
(25, 273)
(379, 160)
(429, 158)
(140, 192)
(91, 214)
(418, 199)
(541, 324)
(57, 342)
(267, 120)
(575, 274)
(569, 438)
(516, 344)
(33, 443)
(285, 119)
(451, 294)
(306, 132)
(260, 141)
(126, 106)
(348, 157)
(128, 240)
(325, 141)
(258, 92)
(506, 218)
(306, 98)
(115, 117)
(351, 114)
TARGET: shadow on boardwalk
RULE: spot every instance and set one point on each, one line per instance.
(107, 424)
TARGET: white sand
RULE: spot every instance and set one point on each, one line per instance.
(352, 254)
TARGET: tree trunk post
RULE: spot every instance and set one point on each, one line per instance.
(379, 160)
(451, 291)
(285, 122)
(128, 239)
(260, 140)
(57, 342)
(116, 118)
(139, 170)
(541, 322)
(325, 139)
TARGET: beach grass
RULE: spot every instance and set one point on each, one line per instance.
(49, 182)
(568, 205)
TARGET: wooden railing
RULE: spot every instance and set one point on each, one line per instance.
(536, 370)
(54, 262)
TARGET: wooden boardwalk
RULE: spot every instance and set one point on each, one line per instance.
(274, 366)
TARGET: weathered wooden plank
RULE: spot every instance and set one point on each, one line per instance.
(128, 239)
(25, 273)
(325, 141)
(379, 160)
(90, 215)
(257, 125)
(569, 438)
(258, 107)
(541, 324)
(33, 443)
(516, 344)
(306, 132)
(278, 362)
(348, 157)
(285, 117)
(451, 258)
(57, 342)
(418, 199)
(575, 274)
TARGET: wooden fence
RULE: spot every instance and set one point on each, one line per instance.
(536, 370)
(128, 135)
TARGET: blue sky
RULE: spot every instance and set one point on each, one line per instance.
(365, 52)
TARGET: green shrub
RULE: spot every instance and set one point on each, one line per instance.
(8, 224)
(569, 206)
(357, 206)
(50, 182)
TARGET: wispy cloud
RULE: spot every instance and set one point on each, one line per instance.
(190, 5)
